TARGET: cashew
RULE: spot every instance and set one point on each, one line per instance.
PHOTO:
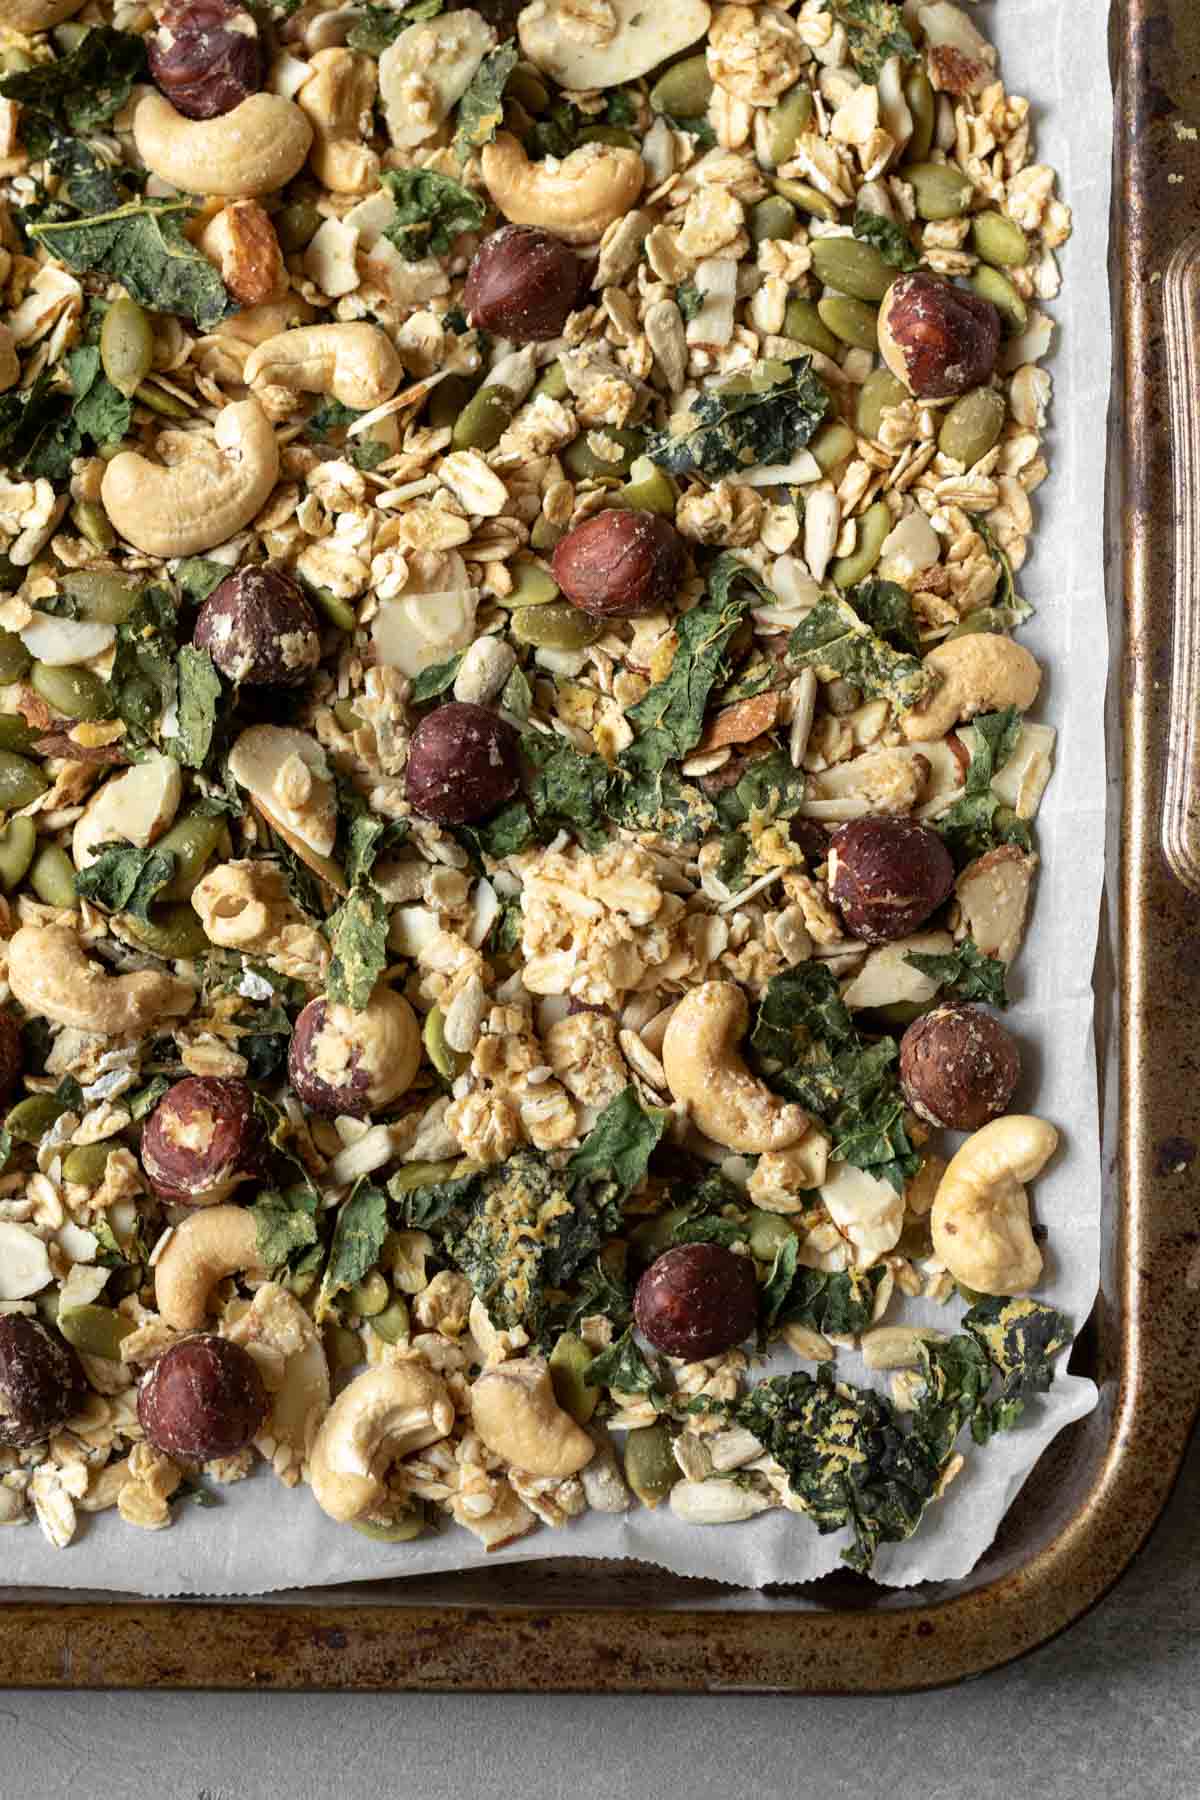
(241, 155)
(337, 100)
(255, 324)
(982, 672)
(356, 364)
(515, 1413)
(178, 509)
(206, 1247)
(38, 15)
(382, 1416)
(575, 198)
(50, 974)
(980, 1217)
(705, 1070)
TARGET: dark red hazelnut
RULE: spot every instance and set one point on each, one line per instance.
(958, 1067)
(522, 284)
(202, 1398)
(937, 339)
(887, 875)
(619, 563)
(41, 1381)
(201, 1140)
(205, 56)
(697, 1300)
(342, 1061)
(463, 764)
(12, 1054)
(258, 628)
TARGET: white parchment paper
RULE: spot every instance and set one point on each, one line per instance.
(264, 1537)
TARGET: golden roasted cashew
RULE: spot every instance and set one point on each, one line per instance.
(206, 1247)
(355, 363)
(576, 198)
(180, 508)
(37, 15)
(980, 1217)
(705, 1070)
(514, 1410)
(382, 1416)
(337, 100)
(241, 155)
(982, 672)
(51, 974)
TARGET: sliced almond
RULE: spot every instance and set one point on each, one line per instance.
(897, 1346)
(993, 892)
(24, 1264)
(286, 774)
(59, 642)
(133, 808)
(741, 722)
(887, 978)
(329, 871)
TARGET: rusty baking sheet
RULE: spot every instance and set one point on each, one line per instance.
(1095, 1496)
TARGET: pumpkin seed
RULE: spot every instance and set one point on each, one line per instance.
(74, 692)
(879, 390)
(14, 658)
(685, 90)
(552, 382)
(999, 240)
(450, 1064)
(873, 527)
(296, 225)
(852, 267)
(99, 595)
(650, 1466)
(86, 1164)
(20, 781)
(52, 877)
(788, 119)
(608, 134)
(11, 576)
(809, 199)
(415, 1175)
(653, 1236)
(558, 626)
(30, 1119)
(768, 1231)
(369, 1296)
(972, 426)
(127, 345)
(569, 1362)
(833, 445)
(803, 322)
(532, 586)
(15, 734)
(447, 401)
(343, 1347)
(347, 718)
(773, 217)
(339, 612)
(526, 86)
(96, 1330)
(400, 1531)
(850, 320)
(581, 461)
(941, 192)
(160, 401)
(544, 535)
(650, 490)
(922, 104)
(984, 618)
(991, 285)
(18, 841)
(392, 1323)
(484, 419)
(91, 521)
(191, 841)
(173, 932)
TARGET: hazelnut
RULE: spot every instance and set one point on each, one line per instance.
(463, 764)
(341, 1061)
(522, 284)
(205, 56)
(958, 1067)
(887, 875)
(937, 339)
(41, 1382)
(258, 628)
(619, 563)
(203, 1397)
(697, 1300)
(201, 1140)
(12, 1054)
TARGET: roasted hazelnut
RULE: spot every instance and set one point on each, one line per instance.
(463, 764)
(697, 1300)
(41, 1382)
(203, 1397)
(522, 283)
(620, 563)
(258, 628)
(12, 1054)
(958, 1067)
(887, 875)
(342, 1061)
(937, 339)
(205, 56)
(201, 1140)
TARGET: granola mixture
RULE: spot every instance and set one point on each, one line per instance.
(518, 793)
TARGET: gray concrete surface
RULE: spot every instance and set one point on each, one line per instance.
(1111, 1711)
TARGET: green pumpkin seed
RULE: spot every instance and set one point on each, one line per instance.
(392, 1323)
(15, 659)
(809, 199)
(52, 877)
(343, 1347)
(685, 90)
(76, 693)
(172, 932)
(86, 1164)
(369, 1296)
(768, 1231)
(773, 217)
(787, 121)
(347, 718)
(16, 735)
(415, 1175)
(649, 489)
(852, 267)
(526, 87)
(20, 781)
(91, 521)
(447, 401)
(833, 445)
(984, 618)
(450, 1064)
(653, 1236)
(400, 1531)
(559, 626)
(159, 401)
(853, 321)
(569, 1361)
(96, 1330)
(532, 586)
(999, 240)
(991, 285)
(544, 535)
(99, 595)
(191, 841)
(650, 1466)
(582, 463)
(484, 419)
(69, 37)
(608, 134)
(296, 225)
(15, 62)
(972, 426)
(127, 345)
(30, 1119)
(941, 192)
(922, 104)
(552, 382)
(879, 390)
(803, 323)
(873, 527)
(18, 842)
(339, 612)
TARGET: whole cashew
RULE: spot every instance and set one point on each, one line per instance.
(38, 15)
(980, 1217)
(356, 364)
(705, 1070)
(515, 1413)
(337, 100)
(382, 1416)
(205, 1248)
(51, 974)
(576, 198)
(241, 155)
(178, 509)
(982, 672)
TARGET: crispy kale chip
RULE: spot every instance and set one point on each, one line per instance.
(966, 974)
(890, 239)
(358, 1235)
(431, 211)
(481, 109)
(375, 27)
(1020, 1337)
(123, 878)
(876, 31)
(358, 935)
(81, 91)
(978, 822)
(141, 244)
(760, 419)
(835, 636)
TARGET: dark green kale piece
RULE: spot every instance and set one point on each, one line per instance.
(760, 419)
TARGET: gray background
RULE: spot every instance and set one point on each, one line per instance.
(1110, 1710)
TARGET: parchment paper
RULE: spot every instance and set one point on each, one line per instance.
(263, 1537)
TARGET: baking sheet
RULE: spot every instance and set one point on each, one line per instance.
(263, 1538)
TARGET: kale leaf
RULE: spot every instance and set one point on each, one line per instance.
(285, 1224)
(688, 299)
(199, 695)
(358, 1236)
(435, 680)
(1020, 1338)
(833, 636)
(81, 91)
(875, 31)
(197, 576)
(623, 1367)
(481, 109)
(966, 974)
(378, 26)
(795, 1295)
(140, 244)
(886, 607)
(978, 822)
(613, 1158)
(754, 420)
(568, 790)
(123, 878)
(597, 1292)
(358, 937)
(362, 835)
(431, 211)
(890, 239)
(768, 787)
